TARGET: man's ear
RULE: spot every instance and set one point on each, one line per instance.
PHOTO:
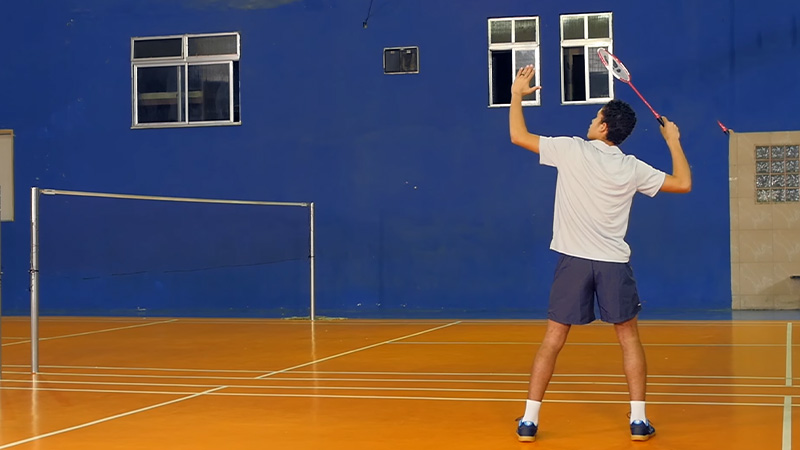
(603, 129)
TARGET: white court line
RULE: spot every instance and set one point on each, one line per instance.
(359, 380)
(787, 423)
(449, 374)
(81, 319)
(122, 368)
(789, 353)
(105, 419)
(356, 350)
(214, 393)
(37, 437)
(92, 332)
(787, 401)
(382, 388)
(599, 323)
(611, 344)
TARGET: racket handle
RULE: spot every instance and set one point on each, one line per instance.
(660, 120)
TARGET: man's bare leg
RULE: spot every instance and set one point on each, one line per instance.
(543, 365)
(634, 364)
(633, 360)
(545, 360)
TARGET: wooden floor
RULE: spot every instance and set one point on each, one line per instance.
(356, 384)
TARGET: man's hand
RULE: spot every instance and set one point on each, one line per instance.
(670, 131)
(522, 84)
(681, 179)
(516, 123)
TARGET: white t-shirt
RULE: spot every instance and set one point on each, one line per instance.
(594, 192)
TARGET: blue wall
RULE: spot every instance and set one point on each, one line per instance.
(424, 208)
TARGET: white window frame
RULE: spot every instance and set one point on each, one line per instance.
(186, 61)
(587, 43)
(514, 46)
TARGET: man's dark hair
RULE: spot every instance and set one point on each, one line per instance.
(620, 119)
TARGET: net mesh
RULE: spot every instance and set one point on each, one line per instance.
(122, 257)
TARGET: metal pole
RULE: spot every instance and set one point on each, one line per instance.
(34, 280)
(311, 259)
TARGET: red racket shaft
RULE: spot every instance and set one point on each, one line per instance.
(658, 116)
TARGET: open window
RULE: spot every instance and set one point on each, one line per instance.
(584, 78)
(513, 44)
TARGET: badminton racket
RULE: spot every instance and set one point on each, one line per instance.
(620, 72)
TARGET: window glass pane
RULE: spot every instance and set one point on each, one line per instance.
(572, 27)
(209, 92)
(574, 75)
(525, 31)
(599, 27)
(158, 48)
(160, 96)
(212, 45)
(500, 31)
(502, 77)
(401, 60)
(521, 59)
(599, 77)
(236, 109)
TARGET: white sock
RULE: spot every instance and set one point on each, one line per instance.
(637, 412)
(532, 411)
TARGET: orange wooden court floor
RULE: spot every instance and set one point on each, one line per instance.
(125, 383)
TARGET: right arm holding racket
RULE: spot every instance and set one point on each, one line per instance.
(681, 179)
(680, 182)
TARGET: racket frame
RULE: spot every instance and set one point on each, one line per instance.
(601, 52)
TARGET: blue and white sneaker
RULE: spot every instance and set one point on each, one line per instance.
(526, 431)
(642, 430)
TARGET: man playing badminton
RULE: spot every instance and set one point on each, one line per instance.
(594, 191)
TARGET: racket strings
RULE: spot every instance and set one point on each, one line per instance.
(616, 68)
(620, 72)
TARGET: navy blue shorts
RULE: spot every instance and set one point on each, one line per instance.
(576, 284)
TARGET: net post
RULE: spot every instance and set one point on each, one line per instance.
(311, 259)
(34, 280)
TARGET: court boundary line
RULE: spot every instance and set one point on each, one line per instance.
(104, 419)
(386, 388)
(602, 344)
(350, 352)
(787, 400)
(216, 393)
(195, 395)
(86, 333)
(398, 321)
(454, 374)
(789, 347)
(787, 423)
(364, 380)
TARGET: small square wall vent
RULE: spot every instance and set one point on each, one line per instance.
(401, 60)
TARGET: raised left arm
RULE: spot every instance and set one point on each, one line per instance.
(516, 121)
